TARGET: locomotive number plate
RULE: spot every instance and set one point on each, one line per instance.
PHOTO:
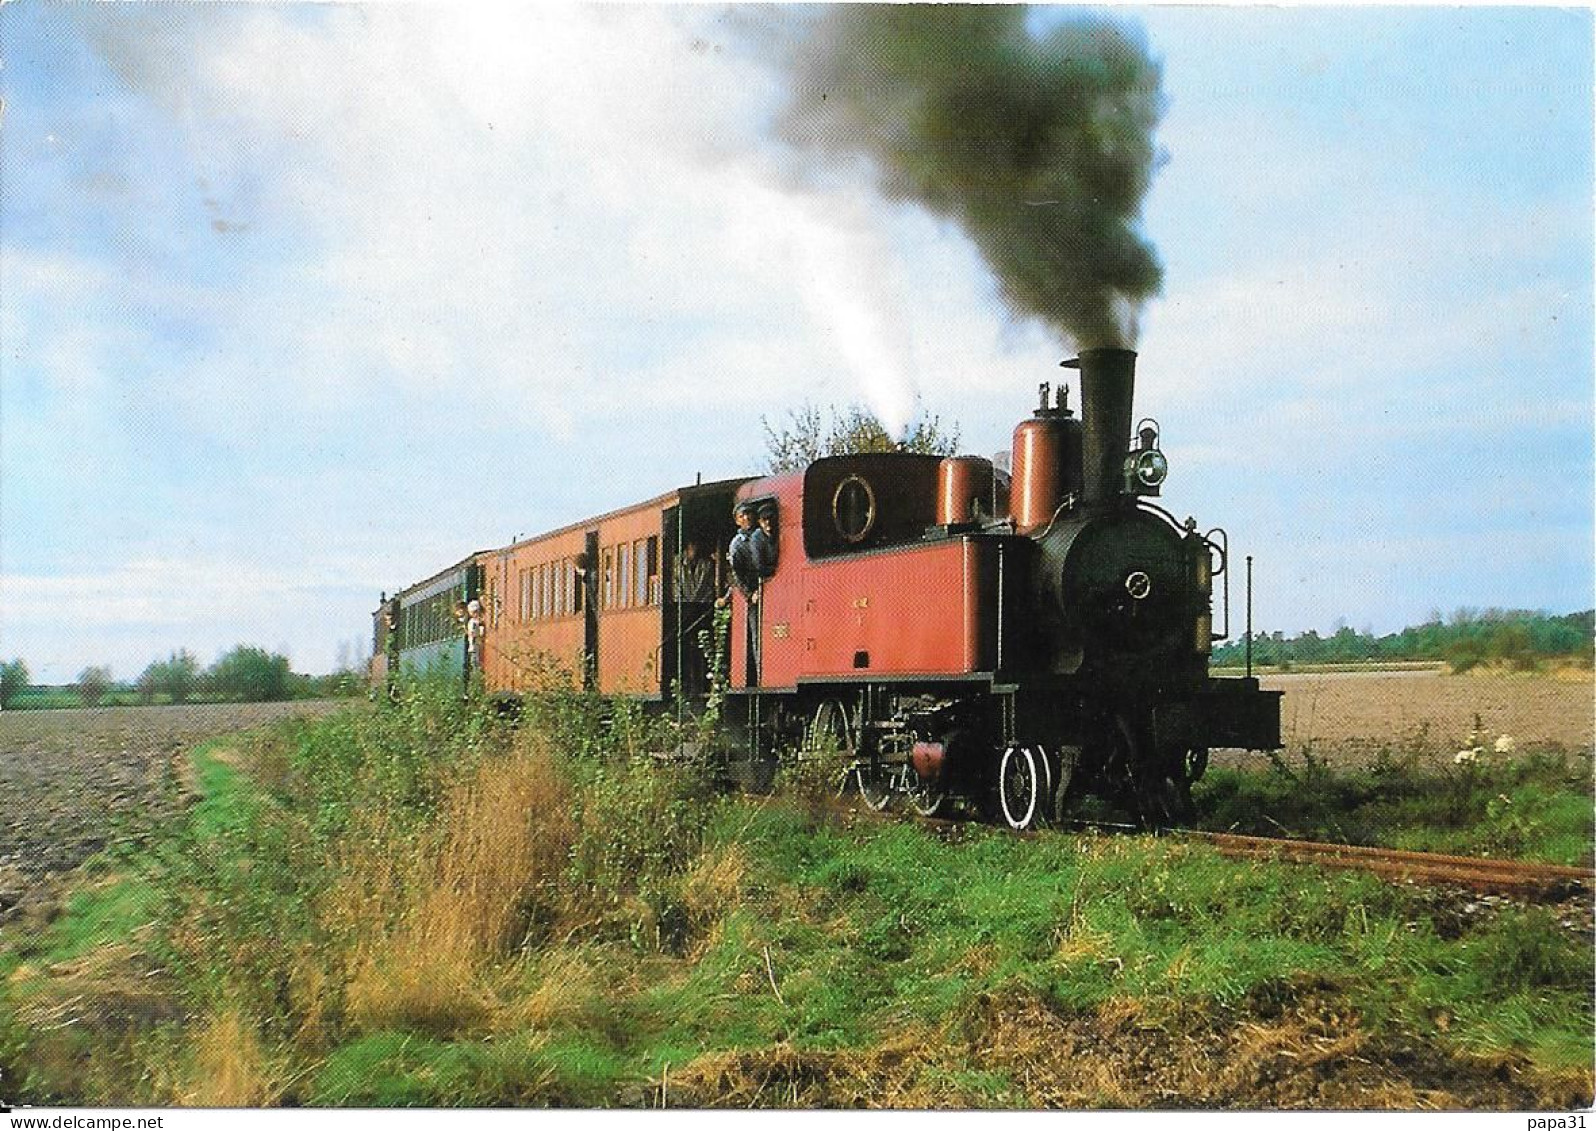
(779, 631)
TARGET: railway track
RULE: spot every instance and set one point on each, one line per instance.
(1526, 879)
(1512, 877)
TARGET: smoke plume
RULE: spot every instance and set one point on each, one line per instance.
(1040, 148)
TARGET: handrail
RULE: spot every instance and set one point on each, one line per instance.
(1223, 546)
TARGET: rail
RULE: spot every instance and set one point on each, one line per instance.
(1519, 877)
(1480, 873)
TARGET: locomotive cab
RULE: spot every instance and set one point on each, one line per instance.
(856, 503)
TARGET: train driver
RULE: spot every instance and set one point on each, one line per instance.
(764, 541)
(746, 563)
(741, 554)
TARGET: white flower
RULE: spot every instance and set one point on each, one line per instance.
(1467, 757)
(1504, 745)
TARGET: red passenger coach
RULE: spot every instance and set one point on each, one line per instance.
(592, 603)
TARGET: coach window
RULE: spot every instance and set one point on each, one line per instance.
(654, 585)
(607, 580)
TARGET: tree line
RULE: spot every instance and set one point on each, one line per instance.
(246, 674)
(1514, 638)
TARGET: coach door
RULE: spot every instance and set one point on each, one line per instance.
(590, 613)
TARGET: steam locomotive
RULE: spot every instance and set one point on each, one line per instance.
(1012, 638)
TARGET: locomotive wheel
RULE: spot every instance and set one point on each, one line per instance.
(830, 735)
(1164, 799)
(1183, 810)
(875, 783)
(1019, 787)
(1159, 800)
(1044, 764)
(926, 799)
(1061, 772)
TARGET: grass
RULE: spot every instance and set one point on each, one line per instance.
(1534, 806)
(416, 906)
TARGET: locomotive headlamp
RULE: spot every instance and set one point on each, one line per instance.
(1138, 585)
(1145, 466)
(1150, 467)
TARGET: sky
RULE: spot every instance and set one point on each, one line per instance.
(301, 303)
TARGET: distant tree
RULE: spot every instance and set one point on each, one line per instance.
(175, 676)
(252, 674)
(93, 683)
(14, 680)
(806, 437)
(1464, 654)
(1468, 638)
(1510, 643)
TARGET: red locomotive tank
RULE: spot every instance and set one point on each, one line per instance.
(964, 490)
(1047, 462)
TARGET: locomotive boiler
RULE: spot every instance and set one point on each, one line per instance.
(953, 630)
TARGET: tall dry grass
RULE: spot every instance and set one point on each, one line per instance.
(231, 1068)
(467, 900)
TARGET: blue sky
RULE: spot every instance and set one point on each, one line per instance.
(299, 303)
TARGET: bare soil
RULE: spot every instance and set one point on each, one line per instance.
(73, 782)
(1350, 717)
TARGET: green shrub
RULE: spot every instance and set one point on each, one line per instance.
(175, 677)
(13, 681)
(251, 674)
(93, 683)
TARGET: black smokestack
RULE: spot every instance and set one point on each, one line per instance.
(1108, 386)
(1040, 148)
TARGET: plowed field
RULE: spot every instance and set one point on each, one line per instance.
(72, 782)
(1351, 716)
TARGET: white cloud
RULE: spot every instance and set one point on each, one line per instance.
(129, 615)
(464, 201)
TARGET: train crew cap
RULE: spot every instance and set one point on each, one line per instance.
(768, 510)
(475, 606)
(744, 508)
